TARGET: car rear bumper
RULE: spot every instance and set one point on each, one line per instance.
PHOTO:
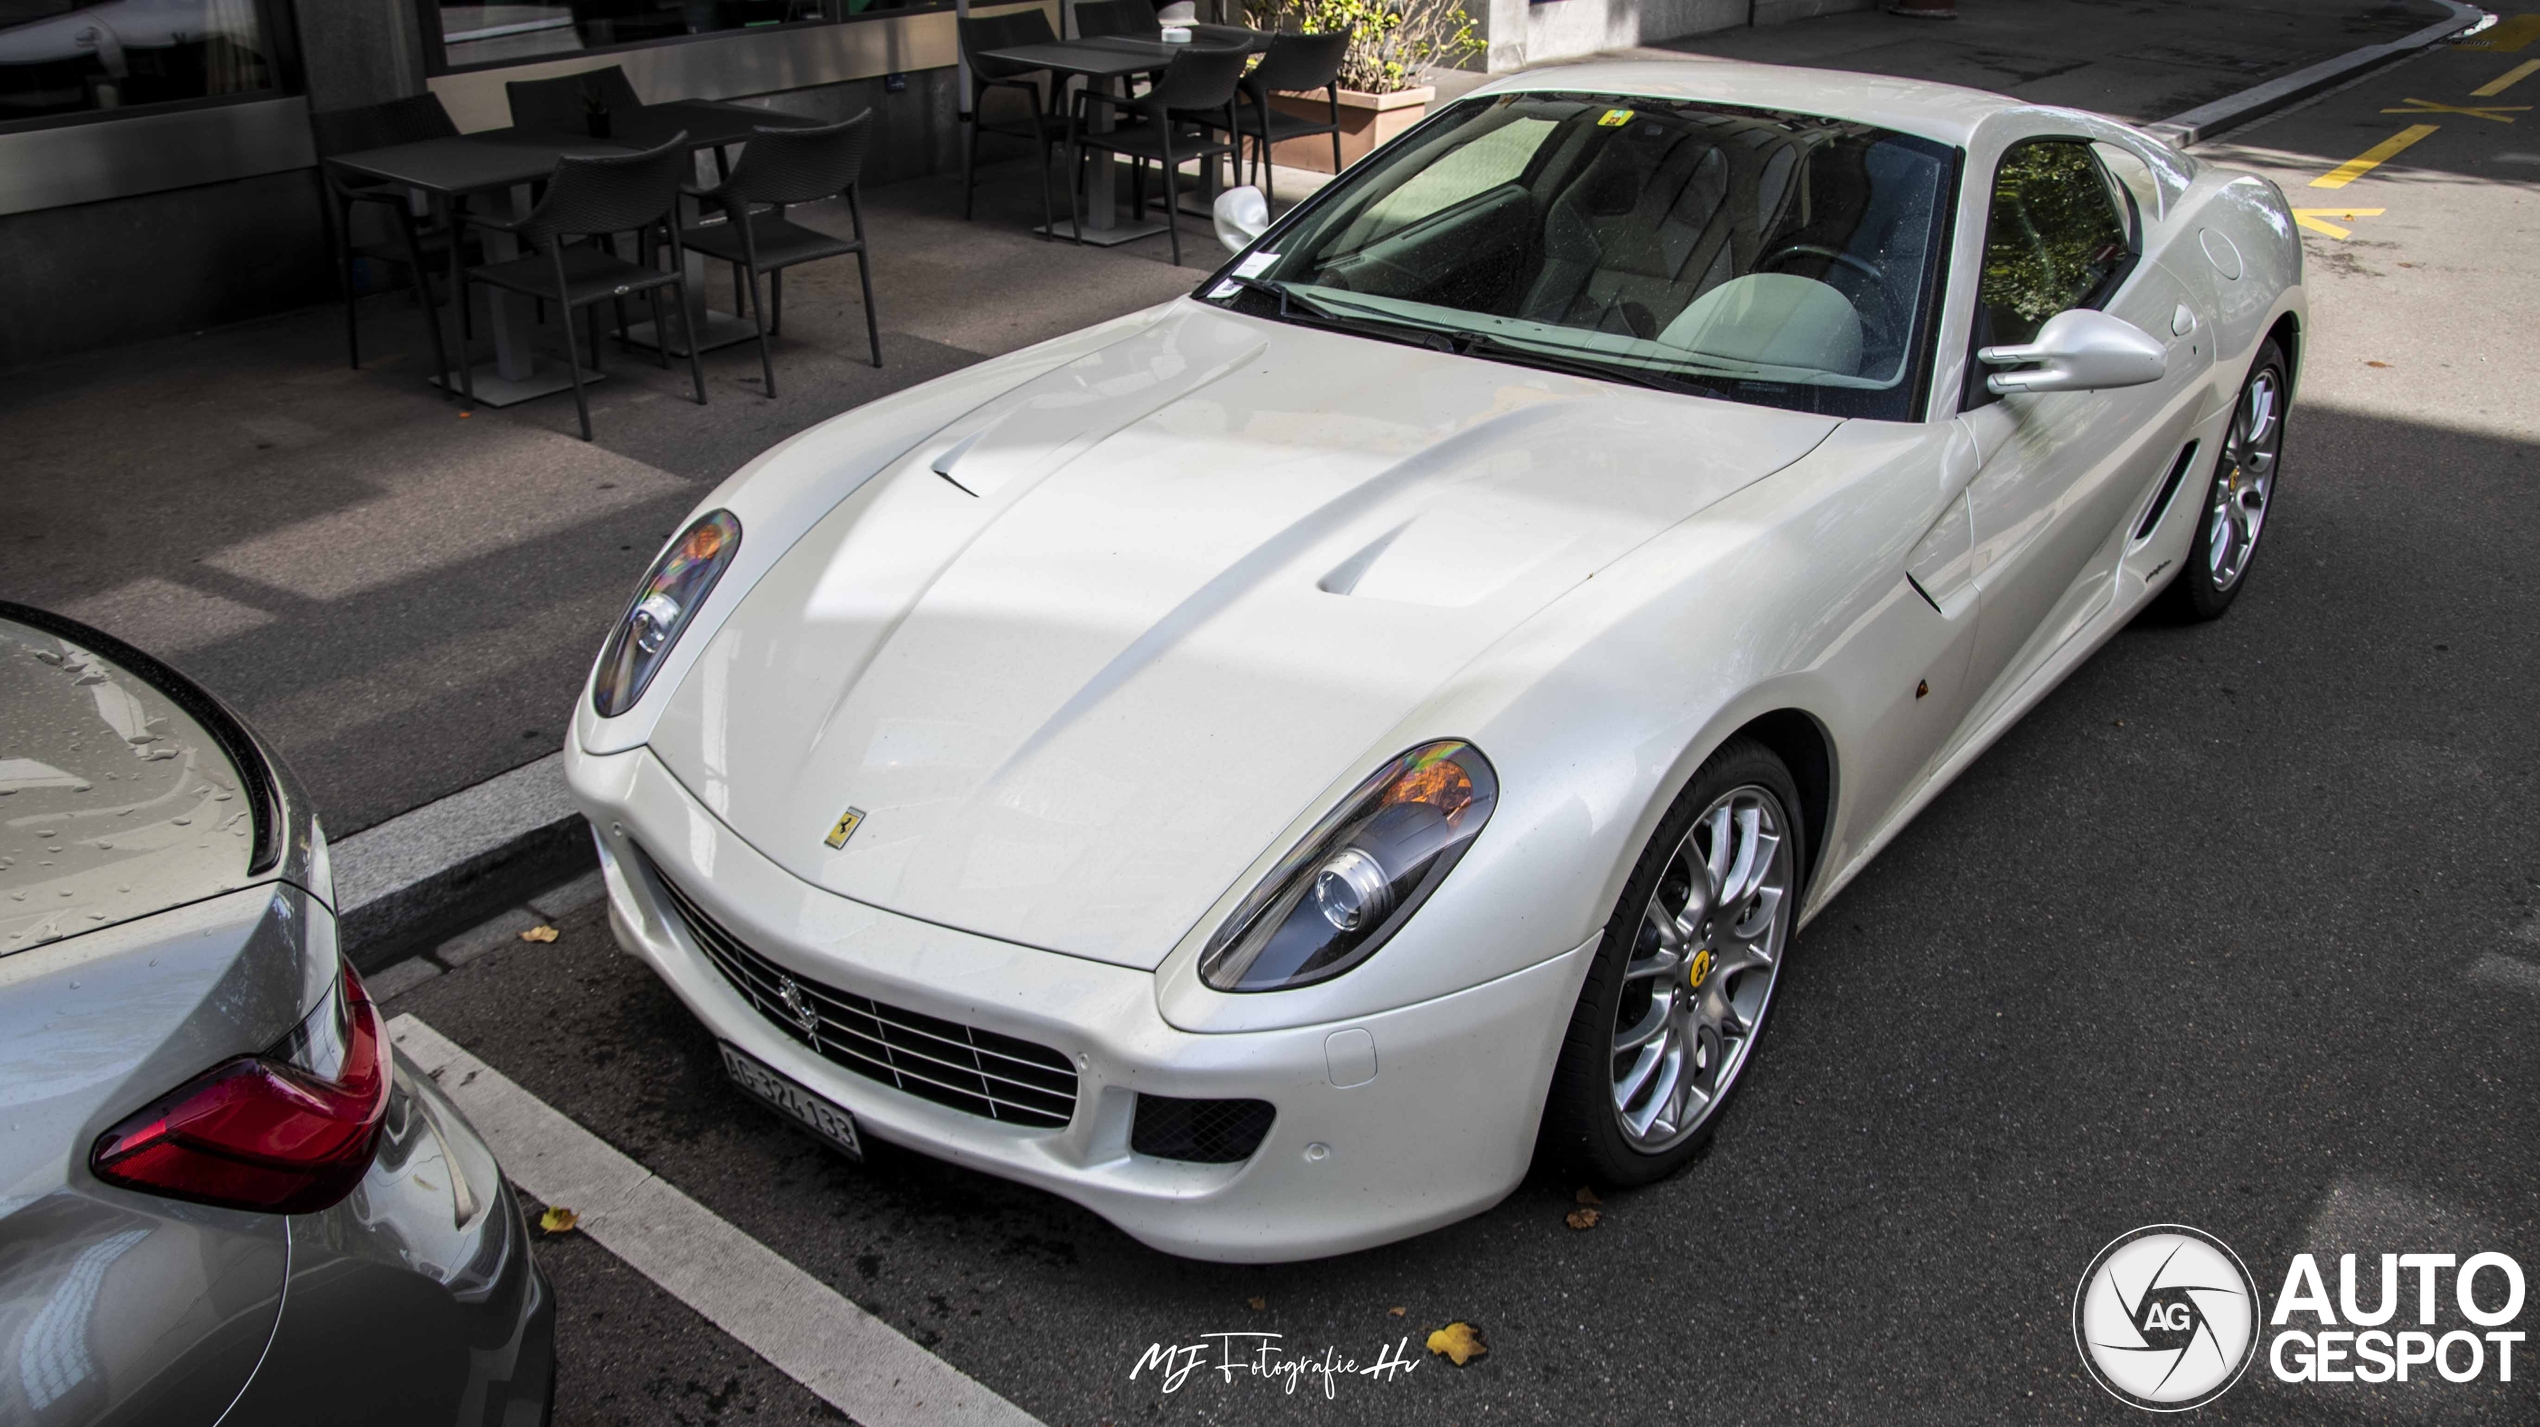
(1386, 1126)
(416, 1300)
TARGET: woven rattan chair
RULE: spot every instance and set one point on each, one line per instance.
(419, 247)
(1047, 129)
(599, 198)
(566, 101)
(1294, 64)
(1150, 128)
(780, 167)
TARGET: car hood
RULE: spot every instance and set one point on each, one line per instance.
(1083, 656)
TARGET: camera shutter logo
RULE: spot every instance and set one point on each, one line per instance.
(2166, 1318)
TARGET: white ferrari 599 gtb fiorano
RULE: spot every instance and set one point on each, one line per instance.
(1268, 766)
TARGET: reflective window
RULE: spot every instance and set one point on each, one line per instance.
(1771, 258)
(77, 57)
(2057, 238)
(473, 35)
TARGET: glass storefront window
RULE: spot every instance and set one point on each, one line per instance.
(473, 35)
(64, 57)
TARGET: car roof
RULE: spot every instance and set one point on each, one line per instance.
(1944, 112)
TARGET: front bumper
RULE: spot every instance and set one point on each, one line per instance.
(415, 1302)
(1444, 1129)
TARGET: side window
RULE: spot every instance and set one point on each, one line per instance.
(2056, 239)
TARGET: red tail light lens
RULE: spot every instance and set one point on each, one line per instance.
(287, 1132)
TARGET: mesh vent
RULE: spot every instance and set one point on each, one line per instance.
(998, 1077)
(1201, 1131)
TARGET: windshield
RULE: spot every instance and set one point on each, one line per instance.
(1779, 259)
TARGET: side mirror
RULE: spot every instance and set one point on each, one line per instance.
(1242, 215)
(2079, 350)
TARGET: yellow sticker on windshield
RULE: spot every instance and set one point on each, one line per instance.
(1615, 119)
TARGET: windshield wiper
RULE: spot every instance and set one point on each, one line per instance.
(1488, 347)
(1305, 311)
(1308, 311)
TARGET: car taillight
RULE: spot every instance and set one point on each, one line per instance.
(287, 1132)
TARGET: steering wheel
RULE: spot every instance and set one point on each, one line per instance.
(1861, 265)
(1877, 314)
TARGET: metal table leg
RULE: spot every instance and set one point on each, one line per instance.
(714, 329)
(1103, 224)
(517, 373)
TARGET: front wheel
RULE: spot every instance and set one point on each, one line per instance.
(2236, 504)
(1672, 1008)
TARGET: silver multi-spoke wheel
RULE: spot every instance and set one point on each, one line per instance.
(1702, 970)
(2244, 479)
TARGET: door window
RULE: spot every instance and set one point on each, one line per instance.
(2055, 240)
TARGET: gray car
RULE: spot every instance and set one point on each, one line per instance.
(223, 1198)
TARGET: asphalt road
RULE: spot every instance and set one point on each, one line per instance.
(2237, 930)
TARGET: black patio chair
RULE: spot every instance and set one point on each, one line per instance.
(1294, 64)
(779, 167)
(598, 198)
(1150, 129)
(1048, 128)
(1131, 19)
(567, 101)
(419, 247)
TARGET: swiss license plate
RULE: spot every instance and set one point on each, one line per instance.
(818, 1115)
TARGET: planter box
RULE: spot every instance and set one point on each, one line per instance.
(1366, 121)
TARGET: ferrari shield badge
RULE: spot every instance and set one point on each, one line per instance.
(848, 821)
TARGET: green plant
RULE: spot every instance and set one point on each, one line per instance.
(1390, 41)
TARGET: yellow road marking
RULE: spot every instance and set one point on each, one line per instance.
(2315, 219)
(2501, 113)
(2507, 80)
(2373, 158)
(2507, 36)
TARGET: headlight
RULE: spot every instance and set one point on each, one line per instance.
(678, 582)
(1359, 875)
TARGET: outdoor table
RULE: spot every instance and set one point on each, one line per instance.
(447, 170)
(493, 160)
(1106, 60)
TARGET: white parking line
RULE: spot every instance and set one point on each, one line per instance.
(856, 1362)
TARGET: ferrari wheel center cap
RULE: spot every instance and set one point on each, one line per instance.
(1700, 970)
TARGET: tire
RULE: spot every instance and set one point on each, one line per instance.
(1711, 979)
(2239, 498)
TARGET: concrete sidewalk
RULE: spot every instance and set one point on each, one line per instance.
(405, 600)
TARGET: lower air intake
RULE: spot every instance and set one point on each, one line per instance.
(1200, 1131)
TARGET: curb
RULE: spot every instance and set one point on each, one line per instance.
(442, 867)
(2206, 120)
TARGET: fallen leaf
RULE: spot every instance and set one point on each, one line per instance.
(1583, 1218)
(2376, 364)
(540, 933)
(1588, 1196)
(1459, 1343)
(1258, 1303)
(1396, 1312)
(558, 1220)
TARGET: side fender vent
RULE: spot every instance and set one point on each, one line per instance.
(2169, 487)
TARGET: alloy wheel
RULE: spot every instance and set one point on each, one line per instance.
(2245, 478)
(1702, 970)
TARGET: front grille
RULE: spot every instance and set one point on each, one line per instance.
(981, 1072)
(1201, 1131)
